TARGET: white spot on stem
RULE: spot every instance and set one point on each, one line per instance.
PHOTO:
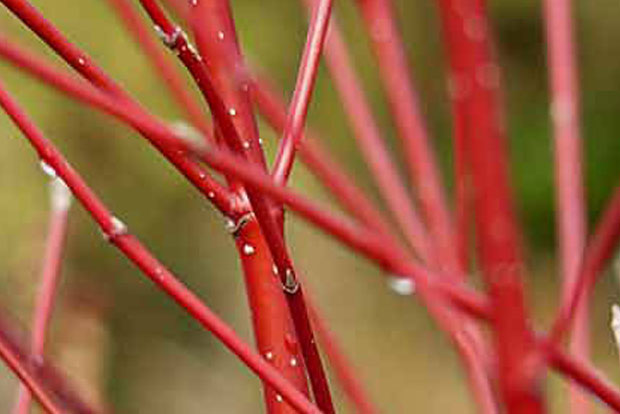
(248, 249)
(187, 132)
(48, 169)
(220, 35)
(232, 112)
(401, 285)
(615, 323)
(118, 229)
(60, 195)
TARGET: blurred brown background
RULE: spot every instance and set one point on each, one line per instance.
(126, 344)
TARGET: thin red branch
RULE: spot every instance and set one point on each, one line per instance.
(600, 249)
(302, 94)
(372, 143)
(162, 64)
(468, 41)
(389, 51)
(319, 160)
(571, 222)
(60, 200)
(43, 381)
(86, 67)
(117, 234)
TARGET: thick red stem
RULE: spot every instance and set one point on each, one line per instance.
(468, 44)
(216, 37)
(273, 328)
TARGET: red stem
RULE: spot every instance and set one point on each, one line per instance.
(600, 248)
(42, 380)
(273, 327)
(219, 196)
(116, 233)
(402, 99)
(162, 64)
(215, 33)
(50, 276)
(468, 44)
(319, 160)
(372, 144)
(302, 94)
(571, 227)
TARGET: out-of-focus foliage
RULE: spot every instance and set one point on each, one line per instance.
(140, 352)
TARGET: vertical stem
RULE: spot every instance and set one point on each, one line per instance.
(571, 225)
(60, 198)
(216, 37)
(302, 94)
(273, 328)
(371, 142)
(468, 40)
(402, 98)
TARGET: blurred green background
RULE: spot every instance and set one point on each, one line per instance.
(124, 343)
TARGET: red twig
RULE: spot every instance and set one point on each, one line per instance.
(469, 49)
(319, 160)
(600, 248)
(571, 228)
(302, 95)
(372, 144)
(86, 67)
(52, 261)
(117, 234)
(42, 380)
(161, 63)
(403, 102)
